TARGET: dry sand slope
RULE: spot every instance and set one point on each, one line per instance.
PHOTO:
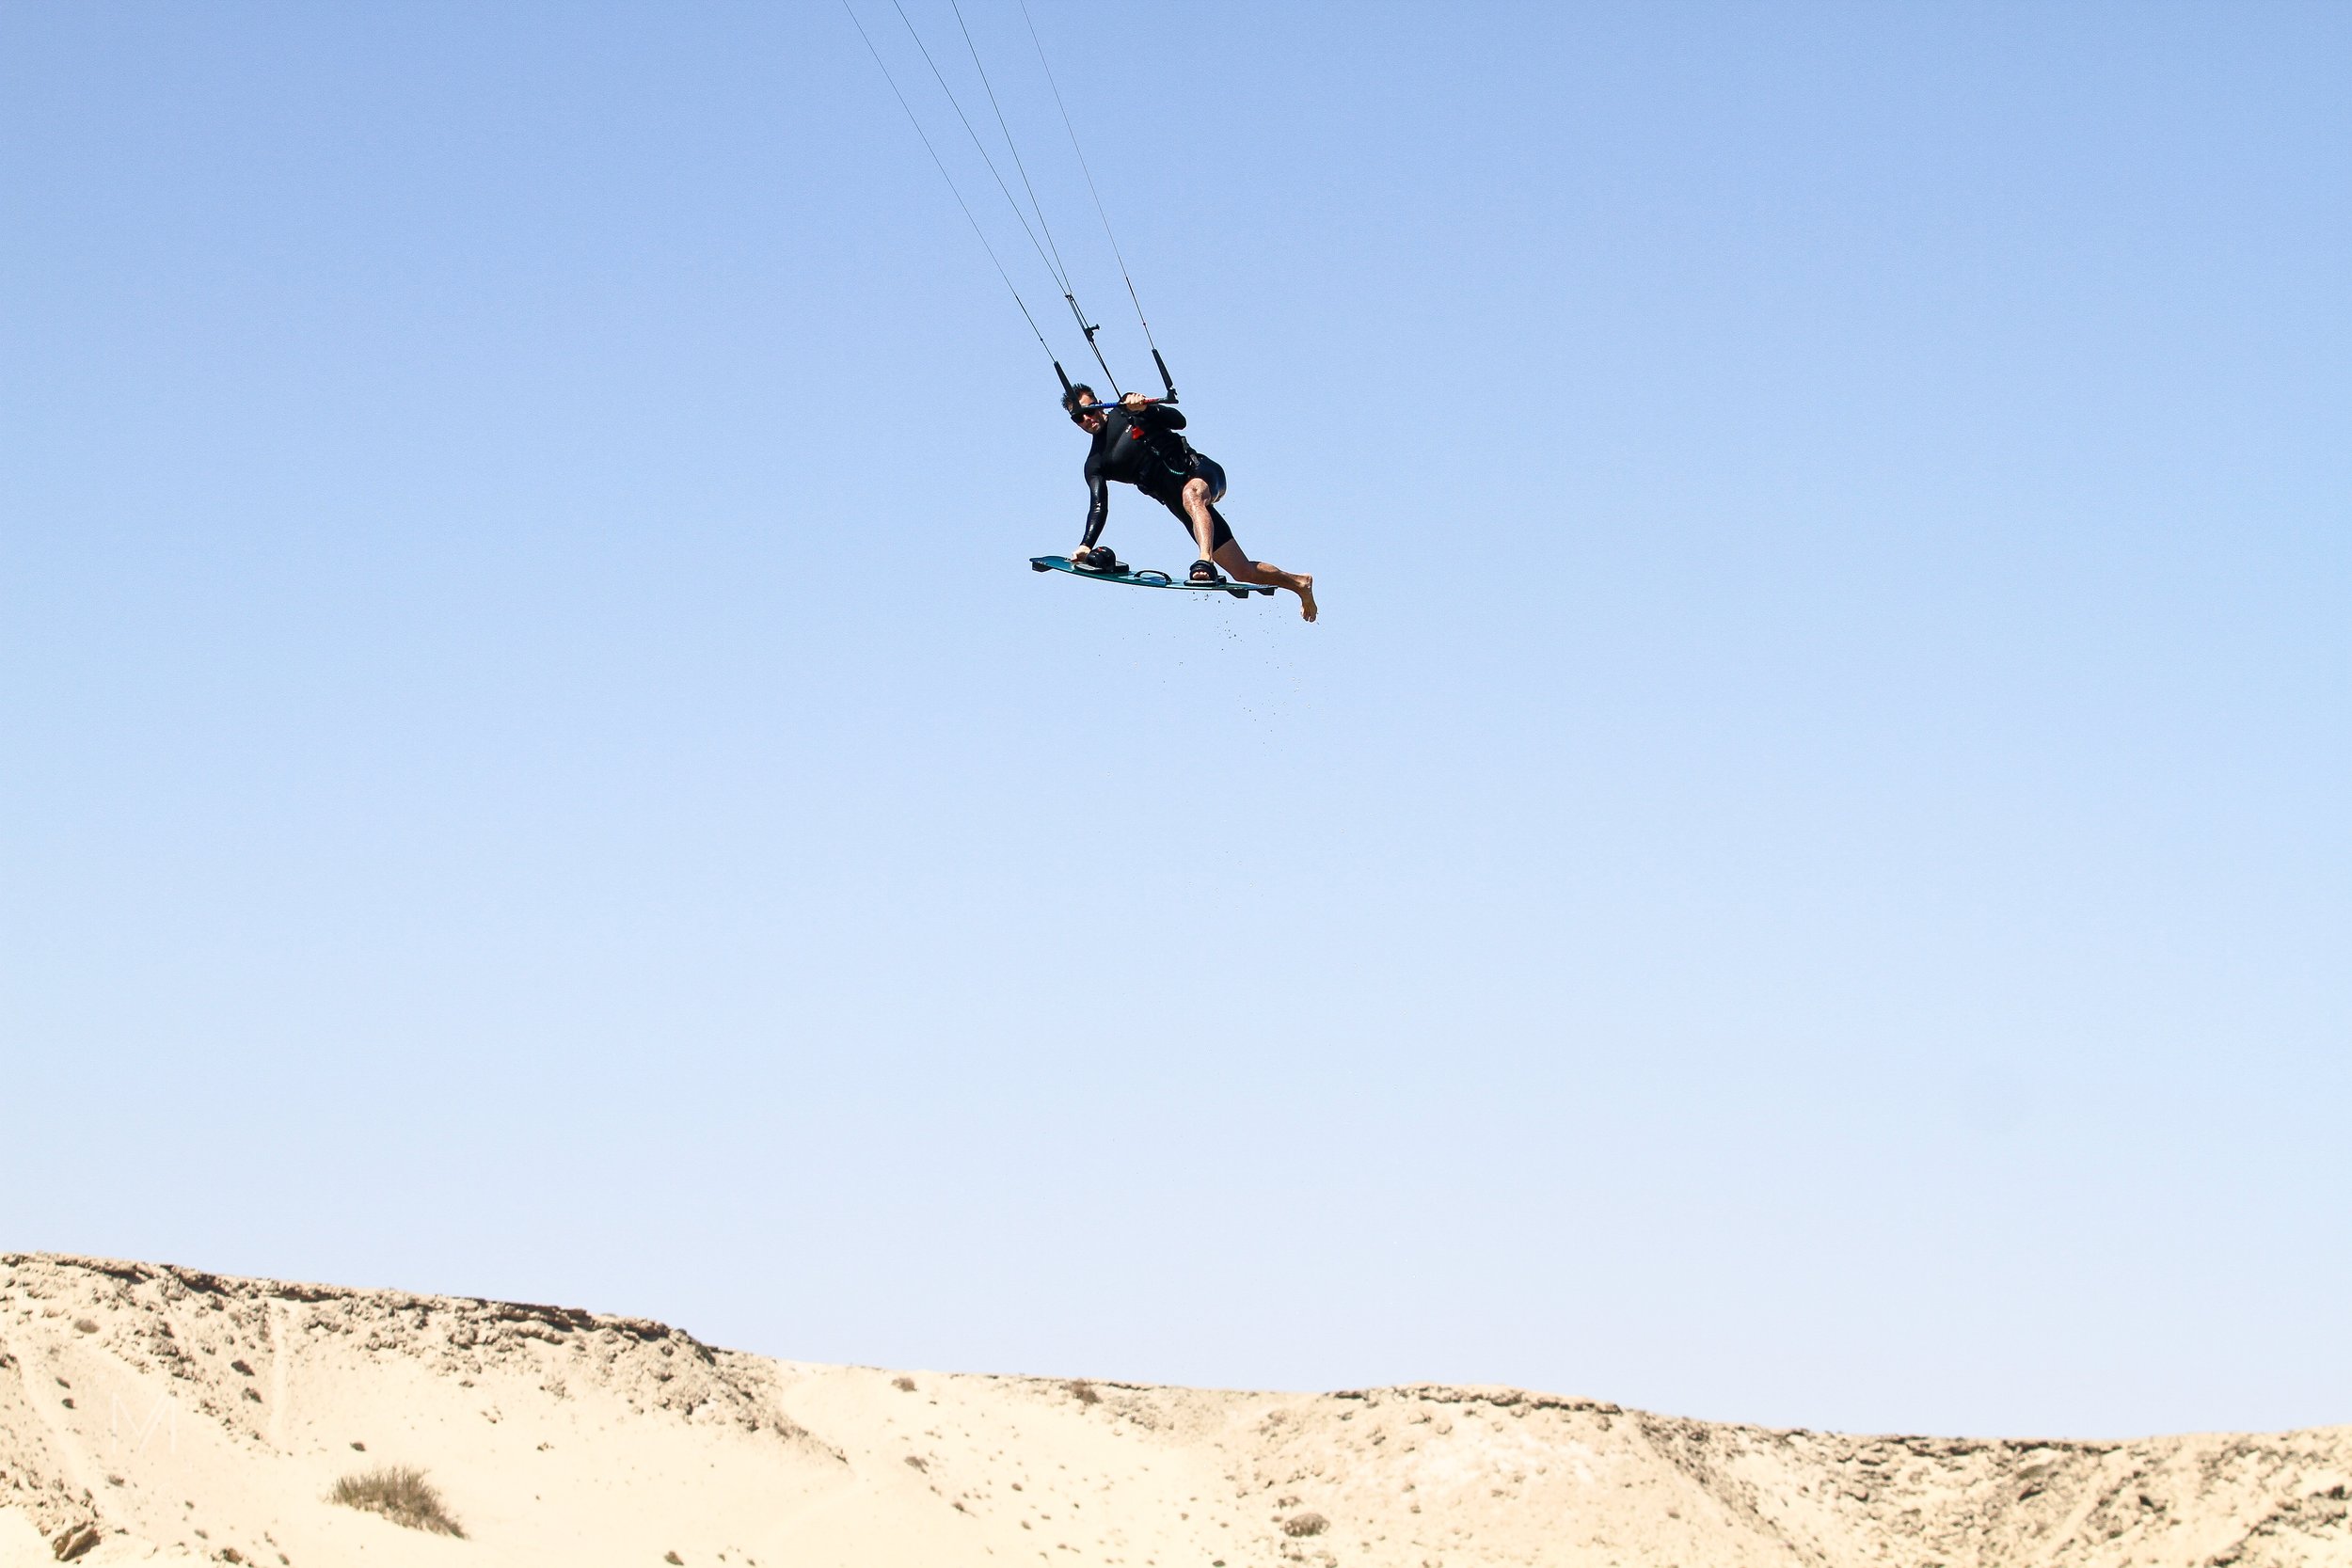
(160, 1412)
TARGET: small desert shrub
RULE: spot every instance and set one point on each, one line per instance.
(402, 1495)
(1083, 1391)
(1305, 1523)
(904, 1384)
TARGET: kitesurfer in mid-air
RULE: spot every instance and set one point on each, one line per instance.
(1136, 442)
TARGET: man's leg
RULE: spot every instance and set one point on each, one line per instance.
(1241, 569)
(1199, 512)
(1202, 521)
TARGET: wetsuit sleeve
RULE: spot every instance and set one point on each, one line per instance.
(1170, 418)
(1098, 501)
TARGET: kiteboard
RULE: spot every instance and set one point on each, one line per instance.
(1146, 578)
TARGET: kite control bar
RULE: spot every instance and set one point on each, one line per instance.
(1115, 408)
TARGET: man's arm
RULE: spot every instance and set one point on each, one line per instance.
(1098, 505)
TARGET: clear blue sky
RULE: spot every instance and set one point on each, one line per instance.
(1804, 876)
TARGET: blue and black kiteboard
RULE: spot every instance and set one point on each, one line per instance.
(1135, 579)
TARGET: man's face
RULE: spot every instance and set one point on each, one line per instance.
(1089, 419)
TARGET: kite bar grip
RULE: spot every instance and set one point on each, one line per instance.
(1115, 408)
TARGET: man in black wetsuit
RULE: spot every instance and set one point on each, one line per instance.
(1136, 442)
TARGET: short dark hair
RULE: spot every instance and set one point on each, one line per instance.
(1077, 398)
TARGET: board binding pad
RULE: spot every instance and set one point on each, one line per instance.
(1133, 578)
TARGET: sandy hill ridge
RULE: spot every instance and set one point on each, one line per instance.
(160, 1412)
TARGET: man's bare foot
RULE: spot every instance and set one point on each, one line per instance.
(1306, 592)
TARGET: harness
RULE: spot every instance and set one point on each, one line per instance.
(1174, 453)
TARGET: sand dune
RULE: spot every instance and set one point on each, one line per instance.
(159, 1413)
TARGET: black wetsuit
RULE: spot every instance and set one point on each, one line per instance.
(1141, 446)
